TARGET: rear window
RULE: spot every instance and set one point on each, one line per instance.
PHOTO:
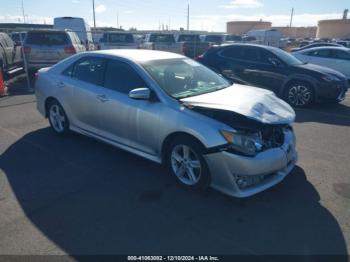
(213, 38)
(47, 38)
(188, 38)
(233, 38)
(162, 38)
(121, 38)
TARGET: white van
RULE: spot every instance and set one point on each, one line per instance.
(77, 25)
(270, 37)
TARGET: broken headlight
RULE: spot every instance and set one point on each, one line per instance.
(245, 144)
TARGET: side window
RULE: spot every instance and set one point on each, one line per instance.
(122, 77)
(252, 54)
(341, 54)
(233, 52)
(69, 71)
(89, 70)
(325, 53)
(267, 57)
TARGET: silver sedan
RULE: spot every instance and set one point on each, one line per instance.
(172, 110)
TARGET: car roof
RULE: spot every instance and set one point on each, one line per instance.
(246, 44)
(50, 31)
(326, 47)
(118, 32)
(138, 55)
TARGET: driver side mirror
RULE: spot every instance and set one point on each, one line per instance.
(274, 62)
(143, 93)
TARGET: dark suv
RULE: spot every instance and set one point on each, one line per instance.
(271, 68)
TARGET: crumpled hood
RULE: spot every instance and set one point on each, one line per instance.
(255, 103)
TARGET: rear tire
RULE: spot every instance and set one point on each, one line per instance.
(299, 94)
(57, 118)
(185, 161)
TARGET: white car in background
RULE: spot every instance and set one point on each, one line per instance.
(337, 58)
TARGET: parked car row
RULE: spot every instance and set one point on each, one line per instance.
(191, 45)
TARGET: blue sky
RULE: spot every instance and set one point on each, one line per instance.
(149, 14)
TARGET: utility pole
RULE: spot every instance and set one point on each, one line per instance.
(24, 17)
(291, 17)
(93, 11)
(117, 19)
(188, 17)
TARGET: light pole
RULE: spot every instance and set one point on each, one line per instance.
(24, 17)
(93, 11)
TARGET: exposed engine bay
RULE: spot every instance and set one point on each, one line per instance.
(271, 135)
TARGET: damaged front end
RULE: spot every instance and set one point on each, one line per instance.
(250, 136)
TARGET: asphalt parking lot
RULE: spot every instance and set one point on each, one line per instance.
(74, 195)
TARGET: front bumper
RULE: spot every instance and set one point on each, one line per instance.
(266, 169)
(332, 91)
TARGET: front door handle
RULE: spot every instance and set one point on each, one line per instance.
(102, 98)
(60, 84)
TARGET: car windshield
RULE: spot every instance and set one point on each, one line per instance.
(286, 57)
(47, 38)
(184, 77)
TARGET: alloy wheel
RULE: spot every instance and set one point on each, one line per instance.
(299, 95)
(186, 165)
(57, 118)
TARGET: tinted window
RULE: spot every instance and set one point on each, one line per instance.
(345, 55)
(47, 38)
(243, 53)
(188, 38)
(162, 38)
(121, 77)
(321, 53)
(213, 38)
(233, 52)
(233, 38)
(89, 70)
(121, 38)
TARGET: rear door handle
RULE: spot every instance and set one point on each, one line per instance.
(102, 98)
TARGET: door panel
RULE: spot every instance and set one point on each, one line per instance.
(128, 121)
(85, 81)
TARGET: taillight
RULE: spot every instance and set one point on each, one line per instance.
(69, 50)
(26, 49)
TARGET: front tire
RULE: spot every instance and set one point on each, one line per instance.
(57, 117)
(184, 160)
(299, 94)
